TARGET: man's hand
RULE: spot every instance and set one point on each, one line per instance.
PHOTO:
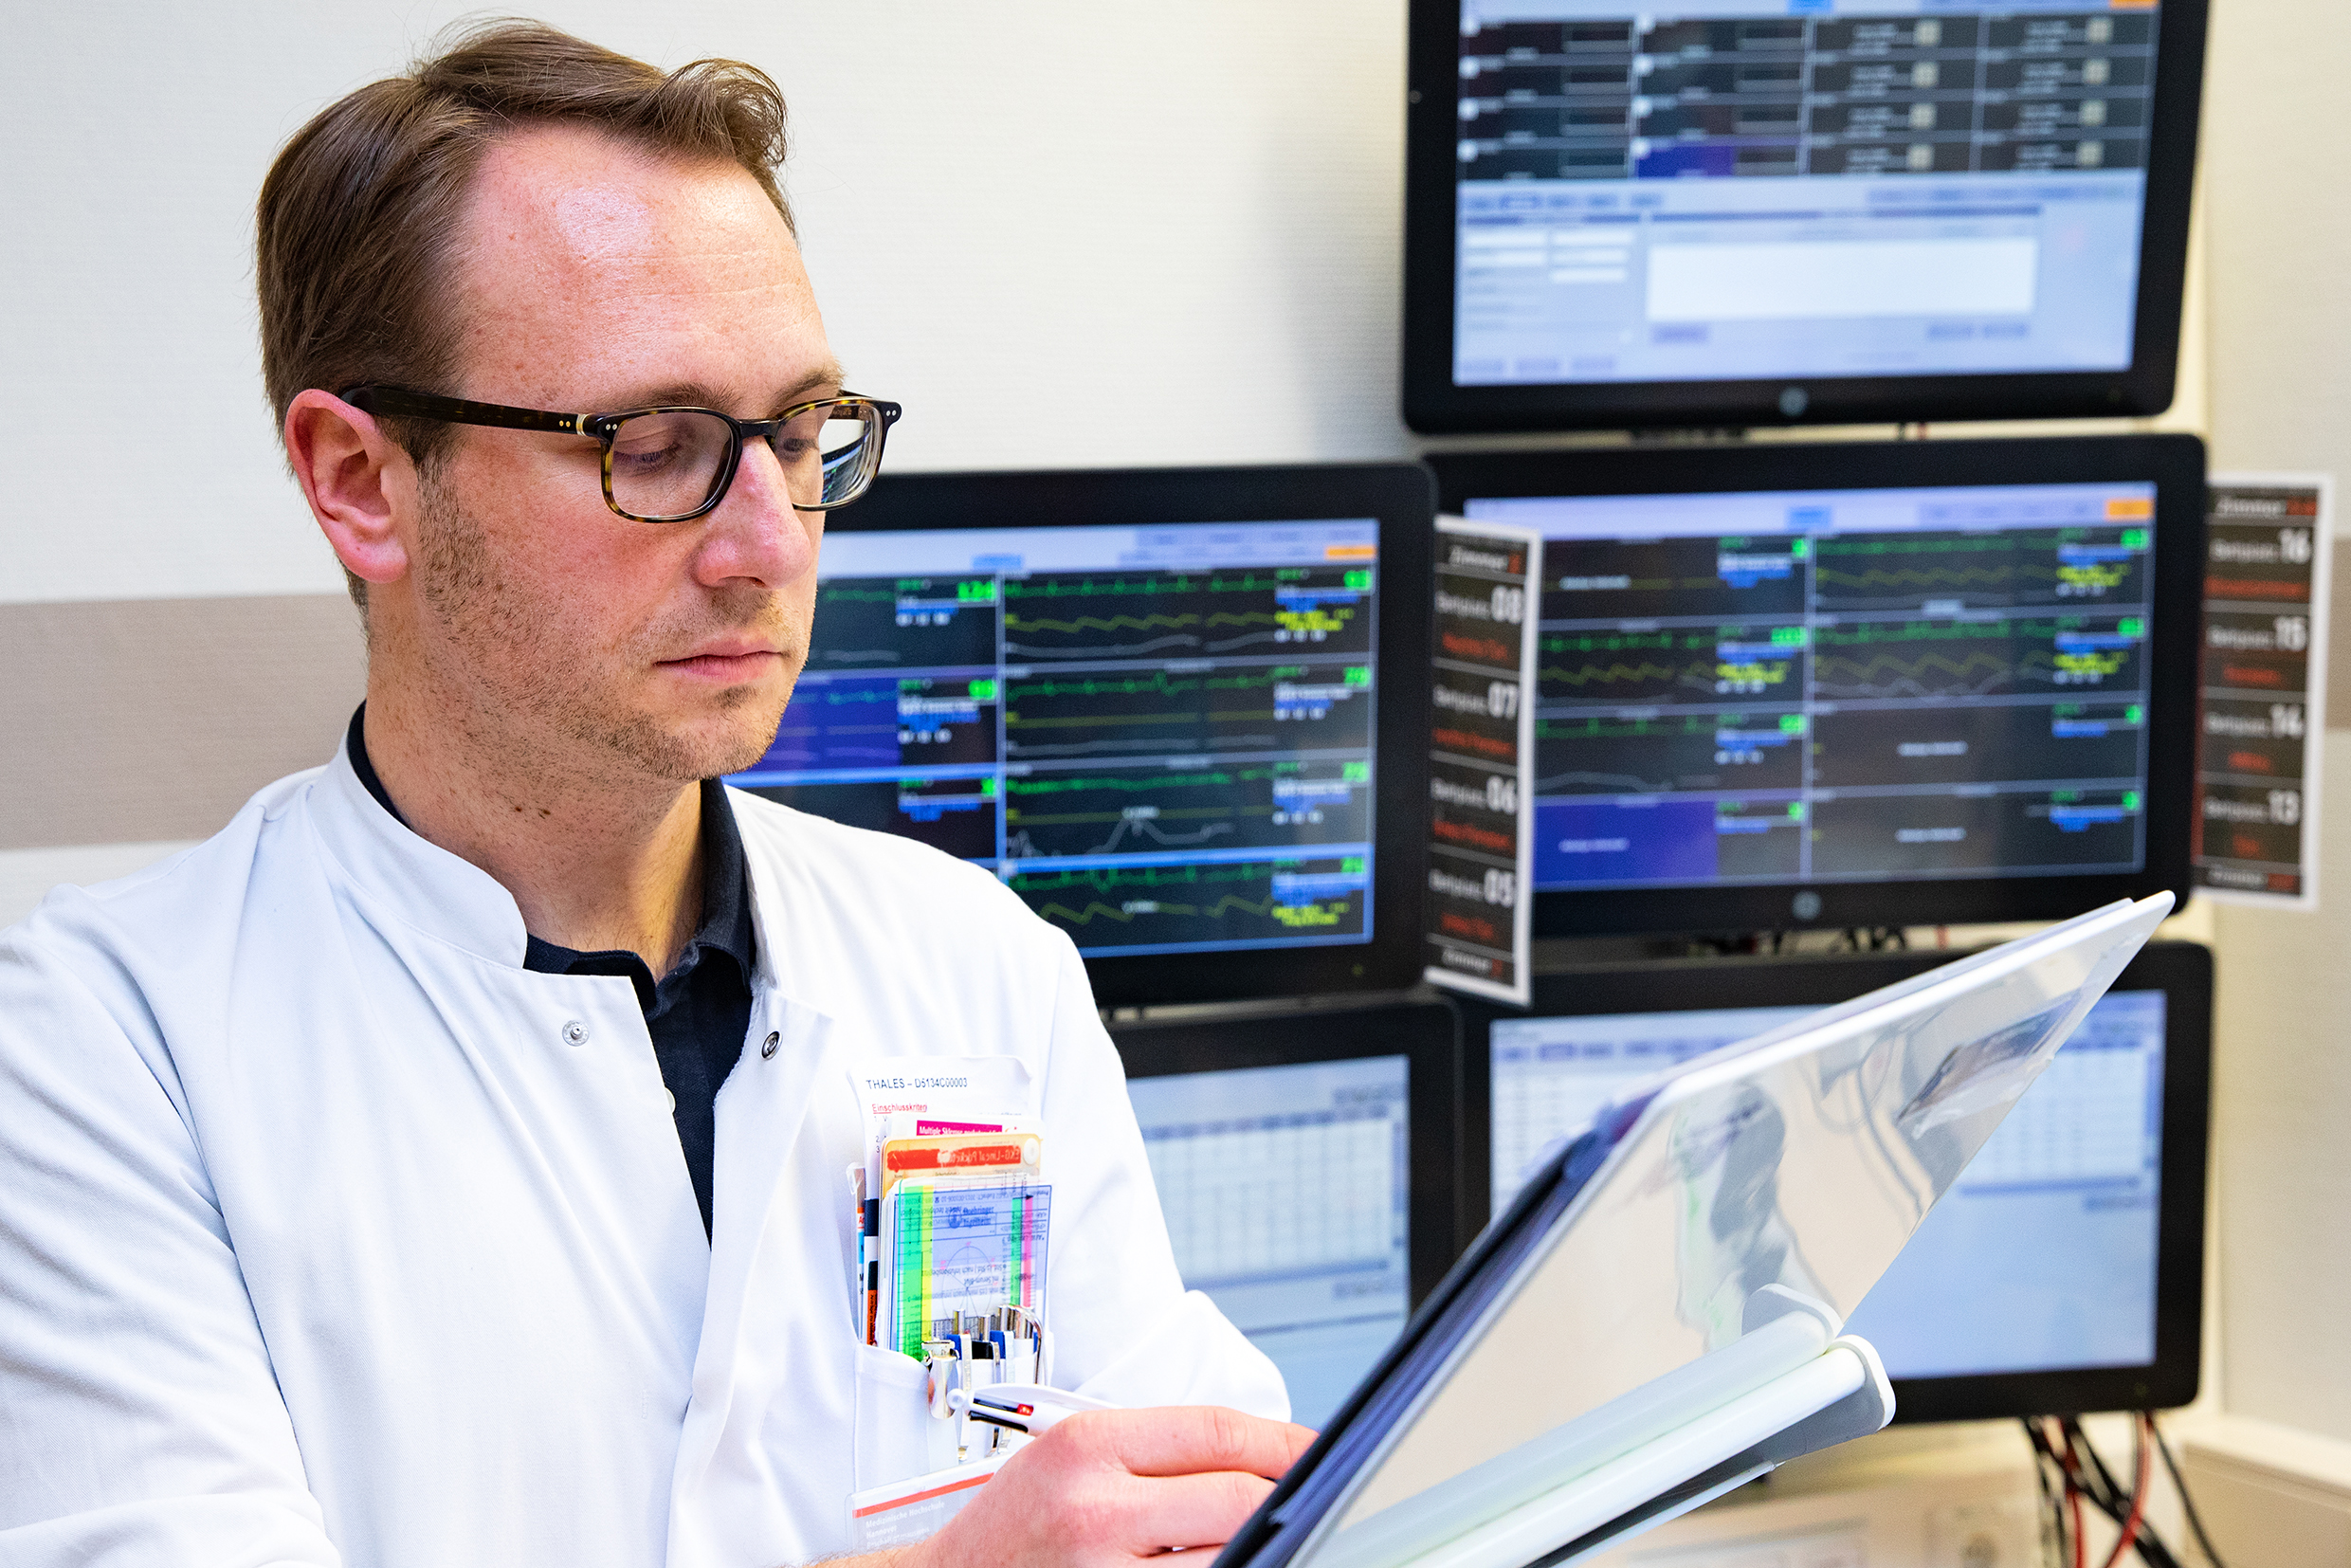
(1106, 1486)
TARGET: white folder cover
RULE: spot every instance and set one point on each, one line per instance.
(1636, 1300)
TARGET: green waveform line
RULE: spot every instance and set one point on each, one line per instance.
(1959, 544)
(2004, 629)
(1615, 644)
(1158, 684)
(1936, 576)
(1173, 814)
(1014, 721)
(1249, 582)
(1212, 780)
(1632, 729)
(1143, 623)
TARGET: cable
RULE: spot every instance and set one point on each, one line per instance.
(2056, 1538)
(2097, 1484)
(2187, 1503)
(2143, 1460)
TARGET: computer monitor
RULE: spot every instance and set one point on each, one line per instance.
(1735, 212)
(1307, 1163)
(1181, 712)
(1894, 683)
(2064, 1272)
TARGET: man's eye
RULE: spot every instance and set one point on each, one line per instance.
(648, 457)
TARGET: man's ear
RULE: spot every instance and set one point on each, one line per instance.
(350, 472)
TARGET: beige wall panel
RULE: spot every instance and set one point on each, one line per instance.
(135, 720)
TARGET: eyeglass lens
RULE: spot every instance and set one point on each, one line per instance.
(667, 464)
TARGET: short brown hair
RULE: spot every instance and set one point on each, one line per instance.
(357, 219)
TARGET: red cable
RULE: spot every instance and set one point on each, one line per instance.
(2139, 1494)
(2063, 1447)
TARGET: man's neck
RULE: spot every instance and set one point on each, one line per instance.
(594, 862)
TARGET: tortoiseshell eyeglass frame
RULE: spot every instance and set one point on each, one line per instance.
(402, 403)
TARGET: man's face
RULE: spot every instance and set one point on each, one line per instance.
(597, 278)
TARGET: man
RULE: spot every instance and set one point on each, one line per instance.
(444, 1163)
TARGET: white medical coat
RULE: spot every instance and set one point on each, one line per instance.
(321, 1242)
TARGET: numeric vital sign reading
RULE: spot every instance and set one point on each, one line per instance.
(1161, 738)
(1840, 686)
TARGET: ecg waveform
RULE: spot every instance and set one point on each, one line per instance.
(1614, 755)
(1981, 571)
(885, 722)
(1960, 658)
(1215, 903)
(905, 623)
(1187, 614)
(1234, 806)
(1187, 708)
(1710, 666)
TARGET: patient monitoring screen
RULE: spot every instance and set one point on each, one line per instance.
(2042, 1258)
(1838, 687)
(1755, 188)
(1285, 1191)
(1160, 737)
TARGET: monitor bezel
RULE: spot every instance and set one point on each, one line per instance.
(1425, 1030)
(1434, 405)
(1399, 496)
(2181, 970)
(2176, 465)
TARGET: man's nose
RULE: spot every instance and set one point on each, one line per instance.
(755, 533)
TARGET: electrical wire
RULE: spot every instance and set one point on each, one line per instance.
(2057, 1538)
(2143, 1461)
(2187, 1503)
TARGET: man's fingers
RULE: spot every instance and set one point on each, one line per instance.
(1190, 1439)
(1190, 1510)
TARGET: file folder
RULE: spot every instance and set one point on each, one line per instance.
(1658, 1318)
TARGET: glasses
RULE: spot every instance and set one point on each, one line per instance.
(675, 465)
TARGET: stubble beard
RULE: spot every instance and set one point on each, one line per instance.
(546, 690)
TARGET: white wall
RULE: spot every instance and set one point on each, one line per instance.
(2279, 236)
(1062, 234)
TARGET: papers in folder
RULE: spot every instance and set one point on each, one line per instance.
(960, 1245)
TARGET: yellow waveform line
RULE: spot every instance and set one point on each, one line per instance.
(1910, 576)
(1136, 623)
(1913, 668)
(1613, 672)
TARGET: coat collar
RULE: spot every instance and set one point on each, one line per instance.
(456, 901)
(409, 877)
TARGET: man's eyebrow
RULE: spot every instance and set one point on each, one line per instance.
(699, 394)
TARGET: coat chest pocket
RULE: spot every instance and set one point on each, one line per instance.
(896, 1436)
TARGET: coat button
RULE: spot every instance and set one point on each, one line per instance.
(767, 1047)
(574, 1033)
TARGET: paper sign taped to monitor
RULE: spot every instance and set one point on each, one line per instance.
(2262, 713)
(1481, 759)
